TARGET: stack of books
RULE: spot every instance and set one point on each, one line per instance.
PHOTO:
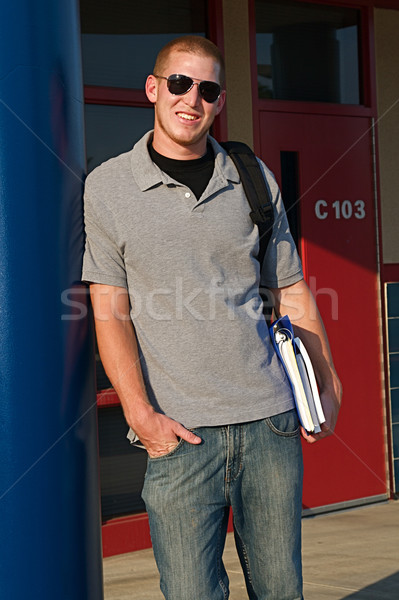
(298, 367)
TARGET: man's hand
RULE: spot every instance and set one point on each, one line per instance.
(331, 403)
(160, 434)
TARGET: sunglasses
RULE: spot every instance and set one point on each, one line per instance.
(181, 84)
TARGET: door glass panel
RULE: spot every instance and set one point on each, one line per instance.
(120, 39)
(308, 52)
(290, 192)
(111, 130)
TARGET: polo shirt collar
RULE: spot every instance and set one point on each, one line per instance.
(148, 175)
(224, 165)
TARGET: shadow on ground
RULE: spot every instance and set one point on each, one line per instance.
(385, 589)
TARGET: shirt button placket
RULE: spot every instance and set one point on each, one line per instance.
(196, 209)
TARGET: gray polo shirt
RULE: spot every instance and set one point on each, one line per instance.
(191, 271)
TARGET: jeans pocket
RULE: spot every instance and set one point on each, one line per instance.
(170, 453)
(285, 424)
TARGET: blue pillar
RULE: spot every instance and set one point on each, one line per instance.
(50, 540)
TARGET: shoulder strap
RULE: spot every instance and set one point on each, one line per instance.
(256, 190)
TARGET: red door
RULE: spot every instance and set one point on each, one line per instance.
(338, 246)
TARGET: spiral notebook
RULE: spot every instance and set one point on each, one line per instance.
(298, 367)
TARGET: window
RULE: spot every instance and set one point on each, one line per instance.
(308, 52)
(111, 130)
(392, 297)
(120, 39)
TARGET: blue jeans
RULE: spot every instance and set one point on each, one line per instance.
(256, 468)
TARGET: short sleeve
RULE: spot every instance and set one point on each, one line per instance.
(282, 264)
(103, 259)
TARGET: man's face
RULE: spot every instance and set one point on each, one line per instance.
(182, 122)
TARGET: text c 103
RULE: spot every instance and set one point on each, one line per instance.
(341, 209)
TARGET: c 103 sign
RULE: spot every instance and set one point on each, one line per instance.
(340, 209)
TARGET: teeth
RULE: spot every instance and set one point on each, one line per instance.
(187, 117)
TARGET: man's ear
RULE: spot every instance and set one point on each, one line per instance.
(221, 101)
(151, 88)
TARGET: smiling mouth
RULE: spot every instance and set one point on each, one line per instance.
(187, 117)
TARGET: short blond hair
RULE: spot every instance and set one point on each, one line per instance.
(192, 44)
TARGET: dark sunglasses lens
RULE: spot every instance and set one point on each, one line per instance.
(179, 84)
(209, 90)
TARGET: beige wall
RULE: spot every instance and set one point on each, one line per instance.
(238, 75)
(387, 63)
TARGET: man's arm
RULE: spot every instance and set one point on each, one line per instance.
(298, 303)
(118, 348)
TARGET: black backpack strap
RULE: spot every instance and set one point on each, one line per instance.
(256, 189)
(259, 198)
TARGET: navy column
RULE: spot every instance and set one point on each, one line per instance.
(50, 541)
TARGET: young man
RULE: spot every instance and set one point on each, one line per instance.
(171, 259)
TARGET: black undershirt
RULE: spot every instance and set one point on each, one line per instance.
(194, 174)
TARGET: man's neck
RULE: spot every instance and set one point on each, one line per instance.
(172, 149)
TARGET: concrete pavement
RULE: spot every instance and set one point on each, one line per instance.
(347, 555)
